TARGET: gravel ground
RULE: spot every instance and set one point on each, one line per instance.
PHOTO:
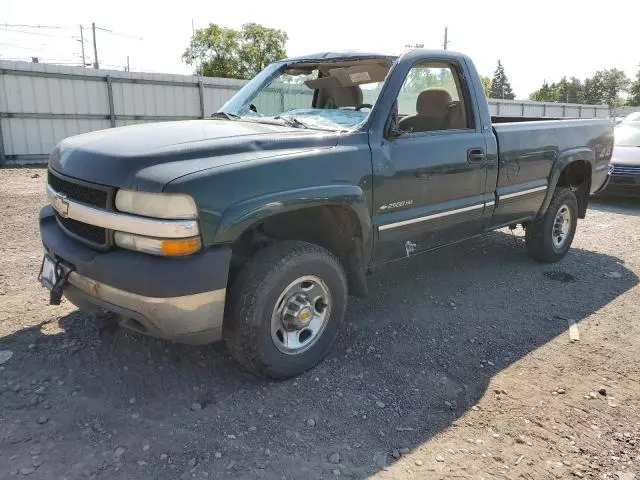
(458, 365)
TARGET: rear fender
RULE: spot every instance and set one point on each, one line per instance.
(564, 159)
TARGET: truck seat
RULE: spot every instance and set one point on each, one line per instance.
(432, 112)
(456, 118)
(337, 97)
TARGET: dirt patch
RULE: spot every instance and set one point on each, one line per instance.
(458, 365)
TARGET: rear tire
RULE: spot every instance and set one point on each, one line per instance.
(549, 237)
(286, 309)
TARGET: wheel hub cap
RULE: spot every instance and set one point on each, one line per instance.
(561, 226)
(300, 315)
(297, 313)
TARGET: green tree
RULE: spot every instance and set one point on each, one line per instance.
(564, 91)
(594, 90)
(575, 91)
(544, 94)
(486, 85)
(500, 86)
(605, 87)
(560, 91)
(218, 51)
(634, 91)
(420, 78)
(615, 82)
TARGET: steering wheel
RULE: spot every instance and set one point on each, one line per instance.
(364, 105)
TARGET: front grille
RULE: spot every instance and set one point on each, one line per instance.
(90, 233)
(89, 194)
(626, 170)
(76, 191)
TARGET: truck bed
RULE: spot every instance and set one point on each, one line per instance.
(548, 139)
(528, 152)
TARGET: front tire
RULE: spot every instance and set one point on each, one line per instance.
(286, 309)
(549, 237)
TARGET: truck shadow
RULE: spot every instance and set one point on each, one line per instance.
(612, 204)
(414, 357)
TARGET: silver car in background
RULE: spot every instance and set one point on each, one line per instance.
(625, 178)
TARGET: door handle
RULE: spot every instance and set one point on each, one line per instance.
(475, 155)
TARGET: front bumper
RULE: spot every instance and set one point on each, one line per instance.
(623, 181)
(177, 299)
(621, 190)
(622, 186)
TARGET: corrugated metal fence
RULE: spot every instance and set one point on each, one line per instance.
(42, 104)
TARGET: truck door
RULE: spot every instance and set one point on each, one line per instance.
(430, 165)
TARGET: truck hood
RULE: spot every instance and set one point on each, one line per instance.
(147, 157)
(629, 156)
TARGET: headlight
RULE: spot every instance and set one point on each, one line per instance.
(157, 205)
(174, 247)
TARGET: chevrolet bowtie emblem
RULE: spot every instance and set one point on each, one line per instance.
(61, 205)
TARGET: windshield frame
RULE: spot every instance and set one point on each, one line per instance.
(257, 84)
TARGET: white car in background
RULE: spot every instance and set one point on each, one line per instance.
(632, 118)
(625, 161)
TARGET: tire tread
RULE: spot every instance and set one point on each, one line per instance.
(537, 235)
(242, 325)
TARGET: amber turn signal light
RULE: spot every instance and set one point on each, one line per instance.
(177, 248)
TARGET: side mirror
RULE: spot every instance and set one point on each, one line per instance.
(394, 132)
(392, 129)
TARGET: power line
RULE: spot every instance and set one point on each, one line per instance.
(118, 34)
(28, 30)
(13, 45)
(12, 30)
(10, 26)
(49, 60)
(34, 26)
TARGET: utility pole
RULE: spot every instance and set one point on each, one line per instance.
(128, 70)
(95, 47)
(82, 44)
(446, 36)
(198, 67)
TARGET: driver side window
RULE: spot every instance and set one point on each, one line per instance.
(431, 99)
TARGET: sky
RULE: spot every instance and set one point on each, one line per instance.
(536, 40)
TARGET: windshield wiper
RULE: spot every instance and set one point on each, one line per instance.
(225, 115)
(292, 121)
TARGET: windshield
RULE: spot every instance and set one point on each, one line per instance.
(627, 136)
(336, 95)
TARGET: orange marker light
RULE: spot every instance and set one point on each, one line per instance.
(177, 248)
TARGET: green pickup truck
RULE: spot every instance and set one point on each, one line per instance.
(255, 225)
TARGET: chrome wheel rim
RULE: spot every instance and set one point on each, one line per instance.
(561, 226)
(300, 315)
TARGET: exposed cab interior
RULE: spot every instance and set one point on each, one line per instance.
(327, 94)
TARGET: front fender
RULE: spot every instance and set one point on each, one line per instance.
(241, 216)
(564, 159)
